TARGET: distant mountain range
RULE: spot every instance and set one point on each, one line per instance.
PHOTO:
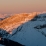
(4, 16)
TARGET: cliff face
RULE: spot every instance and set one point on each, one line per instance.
(16, 20)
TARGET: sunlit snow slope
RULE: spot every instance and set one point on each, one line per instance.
(16, 20)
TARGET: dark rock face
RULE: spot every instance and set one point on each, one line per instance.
(8, 42)
(1, 19)
(3, 33)
(40, 26)
(41, 18)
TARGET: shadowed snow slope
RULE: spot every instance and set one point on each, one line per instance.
(32, 33)
(4, 16)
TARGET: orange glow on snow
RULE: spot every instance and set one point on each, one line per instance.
(16, 20)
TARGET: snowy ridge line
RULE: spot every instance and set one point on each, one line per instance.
(16, 20)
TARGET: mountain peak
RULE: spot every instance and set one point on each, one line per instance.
(16, 20)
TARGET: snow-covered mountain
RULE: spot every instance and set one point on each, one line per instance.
(31, 32)
(16, 20)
